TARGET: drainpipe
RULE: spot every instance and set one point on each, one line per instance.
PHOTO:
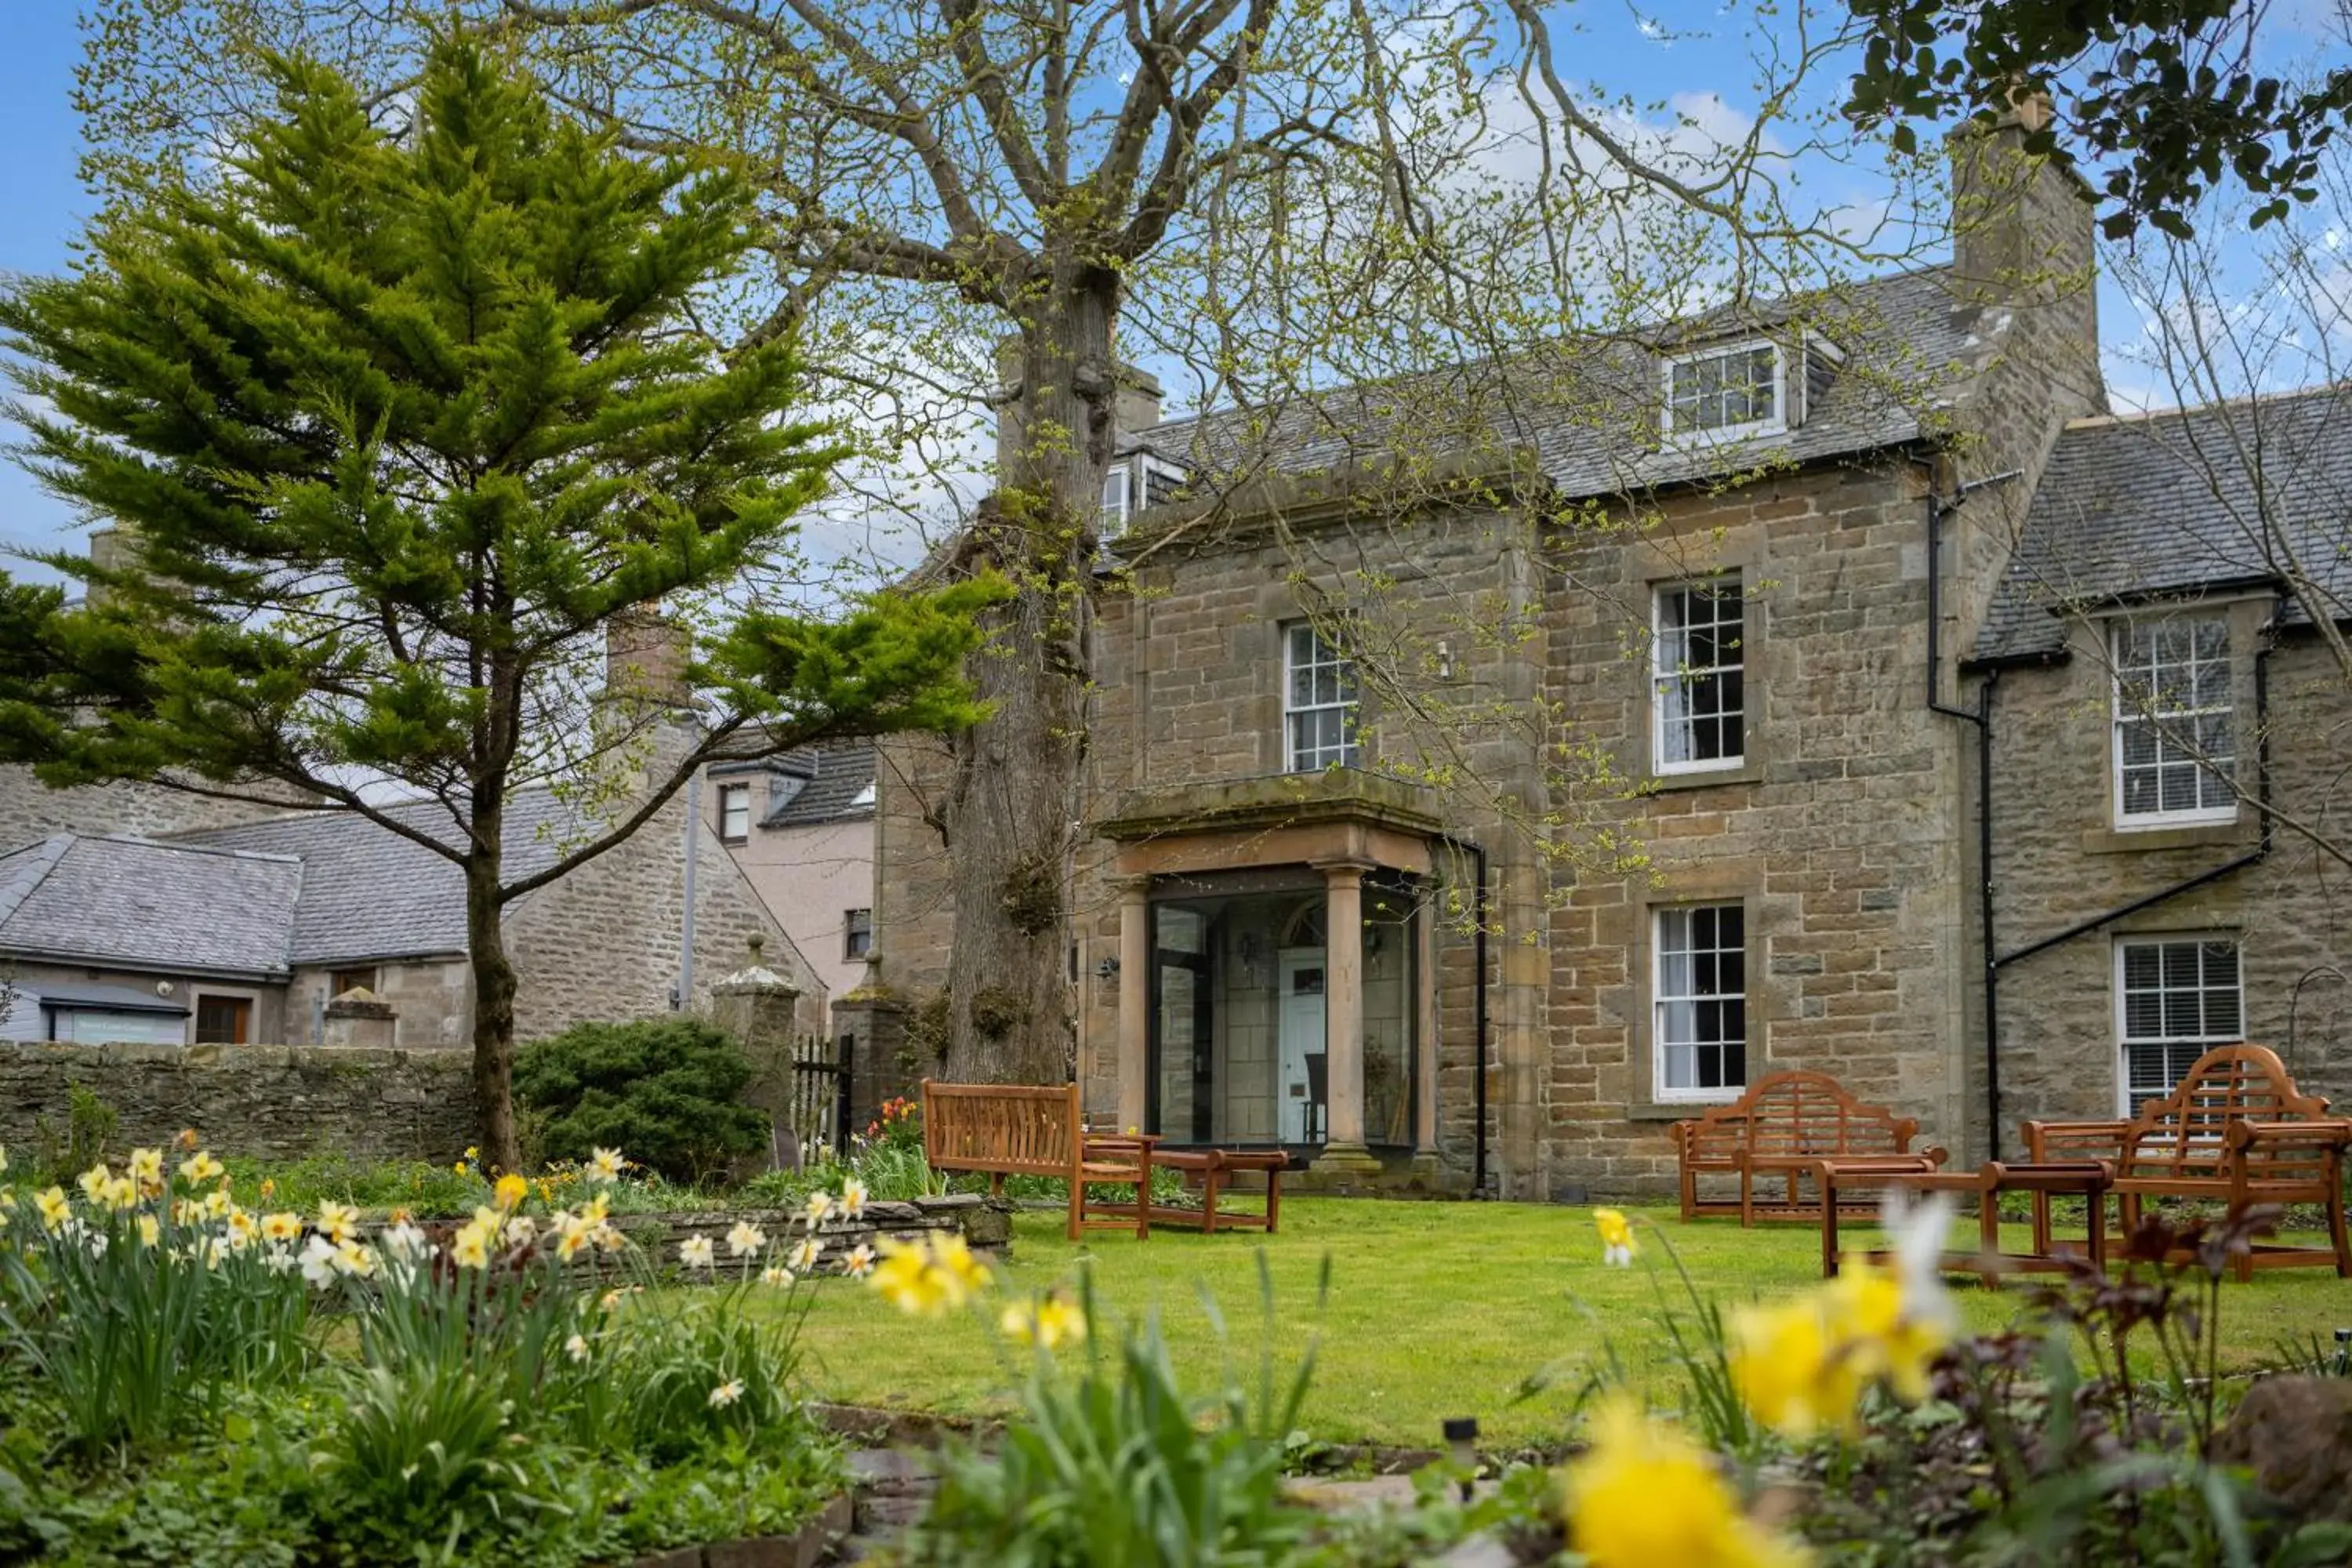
(1478, 907)
(2254, 856)
(684, 999)
(1980, 718)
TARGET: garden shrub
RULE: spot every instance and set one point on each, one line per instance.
(667, 1089)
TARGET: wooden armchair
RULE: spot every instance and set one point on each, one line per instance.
(2235, 1132)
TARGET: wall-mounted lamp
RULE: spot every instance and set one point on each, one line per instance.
(1106, 969)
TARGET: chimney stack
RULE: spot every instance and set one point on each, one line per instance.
(1138, 406)
(646, 658)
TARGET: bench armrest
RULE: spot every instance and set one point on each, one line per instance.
(2322, 1135)
(2109, 1132)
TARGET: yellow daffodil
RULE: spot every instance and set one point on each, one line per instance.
(595, 1210)
(7, 1200)
(199, 1168)
(510, 1193)
(745, 1238)
(55, 1208)
(93, 1182)
(1051, 1323)
(726, 1393)
(282, 1227)
(472, 1152)
(268, 1188)
(696, 1252)
(147, 1170)
(242, 1228)
(1645, 1496)
(150, 1230)
(571, 1241)
(928, 1277)
(458, 1169)
(3, 1157)
(338, 1221)
(471, 1247)
(1616, 1237)
(1802, 1366)
(217, 1203)
(605, 1165)
(120, 1194)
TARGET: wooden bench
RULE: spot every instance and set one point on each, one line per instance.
(1021, 1130)
(1785, 1125)
(2235, 1132)
(2087, 1179)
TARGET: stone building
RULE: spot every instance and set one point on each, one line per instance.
(198, 927)
(1484, 784)
(800, 827)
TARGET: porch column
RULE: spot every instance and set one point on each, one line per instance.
(1134, 999)
(1344, 1154)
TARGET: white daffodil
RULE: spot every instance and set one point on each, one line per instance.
(745, 1239)
(803, 1257)
(858, 1261)
(696, 1252)
(819, 1206)
(605, 1165)
(726, 1393)
(320, 1262)
(403, 1243)
(775, 1274)
(280, 1259)
(1918, 1230)
(852, 1198)
(576, 1347)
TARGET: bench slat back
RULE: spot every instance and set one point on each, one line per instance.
(1020, 1129)
(2185, 1135)
(1803, 1114)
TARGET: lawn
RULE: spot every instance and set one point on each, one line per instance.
(1436, 1310)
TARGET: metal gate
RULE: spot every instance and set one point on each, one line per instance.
(816, 1112)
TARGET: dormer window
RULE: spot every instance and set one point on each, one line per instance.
(1723, 394)
(1134, 482)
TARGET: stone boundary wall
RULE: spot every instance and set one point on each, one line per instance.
(272, 1101)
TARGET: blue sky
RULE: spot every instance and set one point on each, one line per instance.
(1701, 48)
(42, 206)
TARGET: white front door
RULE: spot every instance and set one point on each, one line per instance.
(1300, 973)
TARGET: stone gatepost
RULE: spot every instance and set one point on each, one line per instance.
(755, 1005)
(359, 1018)
(876, 1019)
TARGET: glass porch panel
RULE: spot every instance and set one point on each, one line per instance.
(1390, 1013)
(1218, 1061)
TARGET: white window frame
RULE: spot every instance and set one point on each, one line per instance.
(729, 795)
(1117, 497)
(1350, 751)
(2163, 720)
(2201, 1042)
(1662, 679)
(1747, 429)
(1661, 999)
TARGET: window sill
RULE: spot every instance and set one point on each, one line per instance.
(1674, 1109)
(1749, 769)
(2180, 835)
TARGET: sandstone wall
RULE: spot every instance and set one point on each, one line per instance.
(278, 1101)
(2059, 861)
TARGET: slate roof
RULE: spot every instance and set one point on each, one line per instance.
(141, 903)
(369, 893)
(2176, 503)
(810, 785)
(1590, 412)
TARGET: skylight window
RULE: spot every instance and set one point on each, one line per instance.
(1724, 394)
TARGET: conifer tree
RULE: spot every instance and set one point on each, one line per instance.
(399, 426)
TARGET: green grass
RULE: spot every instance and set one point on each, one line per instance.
(1437, 1310)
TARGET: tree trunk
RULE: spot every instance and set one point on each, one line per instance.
(1015, 803)
(494, 999)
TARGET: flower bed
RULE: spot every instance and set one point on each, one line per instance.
(184, 1379)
